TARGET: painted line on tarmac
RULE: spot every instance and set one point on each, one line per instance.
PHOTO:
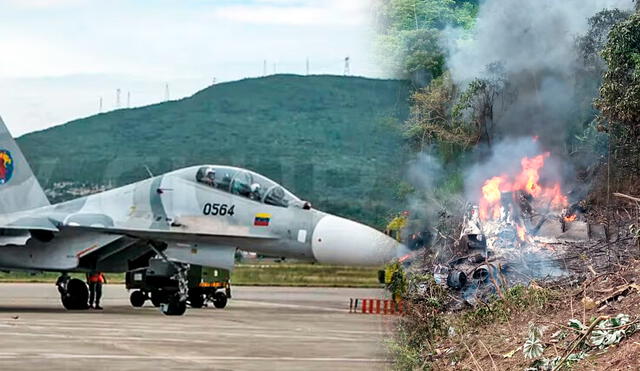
(109, 325)
(168, 328)
(293, 306)
(186, 358)
(34, 331)
(125, 325)
(102, 338)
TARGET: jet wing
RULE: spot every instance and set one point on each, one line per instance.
(224, 238)
(31, 223)
(17, 231)
(21, 230)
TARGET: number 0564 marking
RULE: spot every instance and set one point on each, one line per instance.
(218, 209)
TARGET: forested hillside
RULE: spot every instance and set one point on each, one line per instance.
(333, 140)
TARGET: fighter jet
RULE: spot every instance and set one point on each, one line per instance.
(197, 215)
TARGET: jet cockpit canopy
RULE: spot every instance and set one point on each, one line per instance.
(247, 184)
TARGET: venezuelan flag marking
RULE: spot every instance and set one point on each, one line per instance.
(262, 220)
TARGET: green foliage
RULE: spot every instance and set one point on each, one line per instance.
(411, 30)
(479, 105)
(619, 101)
(440, 114)
(326, 138)
(425, 323)
(403, 190)
(422, 324)
(425, 14)
(432, 119)
(577, 325)
(592, 139)
(533, 347)
(300, 274)
(591, 44)
(513, 301)
(423, 53)
(620, 92)
(602, 332)
(405, 356)
(612, 331)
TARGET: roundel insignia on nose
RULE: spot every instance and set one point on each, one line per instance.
(6, 166)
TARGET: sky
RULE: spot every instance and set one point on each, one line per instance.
(59, 57)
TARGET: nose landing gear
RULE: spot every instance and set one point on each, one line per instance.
(165, 282)
(175, 307)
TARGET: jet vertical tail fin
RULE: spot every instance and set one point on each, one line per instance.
(19, 188)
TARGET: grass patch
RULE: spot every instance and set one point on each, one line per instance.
(501, 309)
(51, 277)
(268, 274)
(428, 326)
(278, 274)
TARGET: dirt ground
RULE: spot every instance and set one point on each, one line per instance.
(499, 345)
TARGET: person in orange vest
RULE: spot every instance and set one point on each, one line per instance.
(95, 281)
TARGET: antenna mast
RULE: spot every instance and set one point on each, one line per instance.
(347, 70)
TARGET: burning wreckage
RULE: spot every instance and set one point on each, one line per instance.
(518, 232)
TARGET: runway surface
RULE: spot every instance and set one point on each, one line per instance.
(261, 328)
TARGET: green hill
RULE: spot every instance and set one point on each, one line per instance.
(332, 140)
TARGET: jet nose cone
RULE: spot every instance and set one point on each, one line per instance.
(341, 241)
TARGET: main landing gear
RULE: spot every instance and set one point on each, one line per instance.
(160, 283)
(74, 293)
(173, 302)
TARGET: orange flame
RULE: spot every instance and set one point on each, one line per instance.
(491, 196)
(527, 180)
(529, 177)
(570, 218)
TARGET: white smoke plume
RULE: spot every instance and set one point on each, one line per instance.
(534, 40)
(424, 174)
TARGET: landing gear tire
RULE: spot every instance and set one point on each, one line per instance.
(174, 308)
(137, 299)
(220, 300)
(76, 295)
(196, 301)
(157, 299)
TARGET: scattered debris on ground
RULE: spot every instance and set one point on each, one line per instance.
(530, 281)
